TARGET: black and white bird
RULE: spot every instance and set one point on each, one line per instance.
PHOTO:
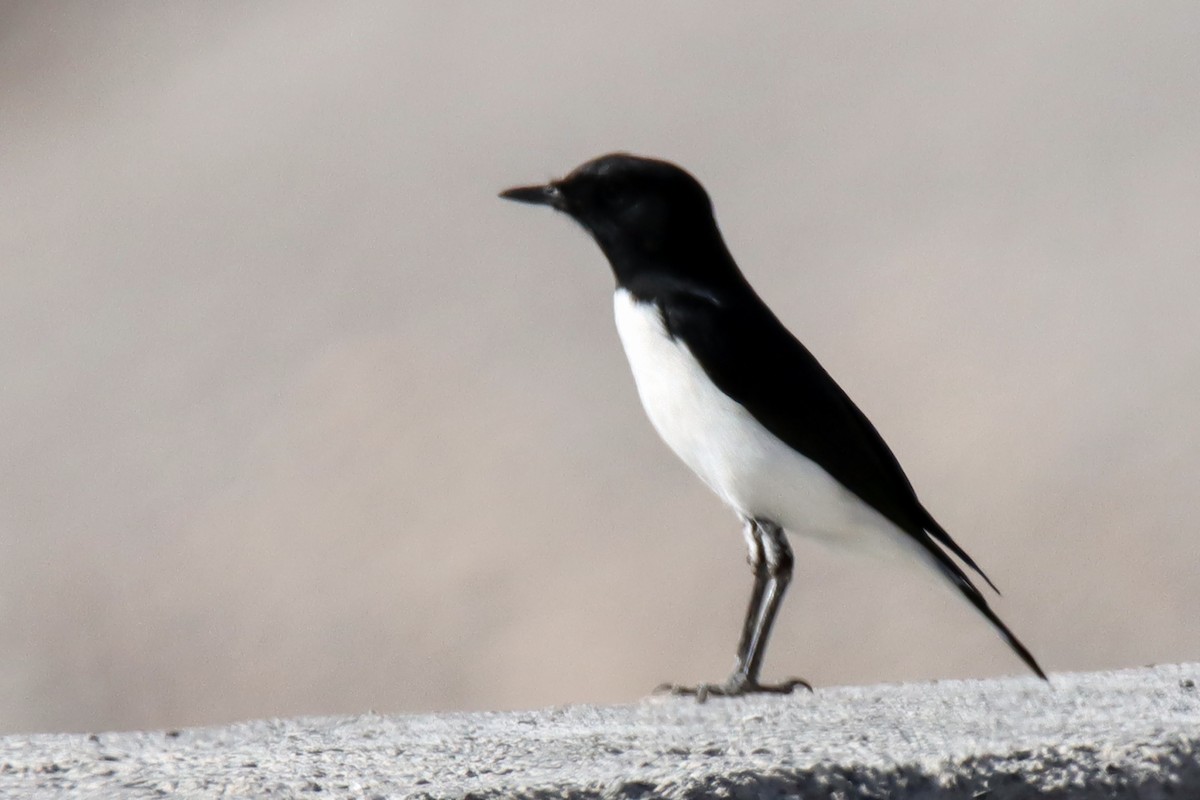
(741, 401)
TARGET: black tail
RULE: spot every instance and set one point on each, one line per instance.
(955, 575)
(976, 598)
(938, 532)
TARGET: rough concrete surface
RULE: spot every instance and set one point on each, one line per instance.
(1133, 733)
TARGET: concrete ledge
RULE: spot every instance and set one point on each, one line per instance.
(1134, 733)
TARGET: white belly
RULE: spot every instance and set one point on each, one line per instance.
(748, 467)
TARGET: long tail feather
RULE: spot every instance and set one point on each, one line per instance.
(938, 532)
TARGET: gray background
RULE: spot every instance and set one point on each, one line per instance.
(297, 417)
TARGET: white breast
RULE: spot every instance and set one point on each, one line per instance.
(748, 467)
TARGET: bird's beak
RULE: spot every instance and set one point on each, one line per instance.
(548, 195)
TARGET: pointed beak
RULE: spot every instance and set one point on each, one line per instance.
(548, 195)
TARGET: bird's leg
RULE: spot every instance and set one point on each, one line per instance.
(758, 564)
(772, 560)
(780, 561)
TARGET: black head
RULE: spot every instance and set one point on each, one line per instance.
(647, 216)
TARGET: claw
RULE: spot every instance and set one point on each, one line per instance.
(792, 683)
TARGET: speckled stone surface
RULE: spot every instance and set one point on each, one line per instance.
(1132, 733)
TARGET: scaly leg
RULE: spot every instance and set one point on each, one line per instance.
(771, 559)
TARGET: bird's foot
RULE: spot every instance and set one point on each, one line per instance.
(736, 686)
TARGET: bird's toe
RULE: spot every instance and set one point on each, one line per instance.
(735, 686)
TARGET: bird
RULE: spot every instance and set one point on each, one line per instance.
(742, 402)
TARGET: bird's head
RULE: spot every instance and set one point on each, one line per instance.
(644, 213)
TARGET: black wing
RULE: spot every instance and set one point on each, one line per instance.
(755, 360)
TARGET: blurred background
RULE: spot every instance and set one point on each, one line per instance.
(296, 417)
